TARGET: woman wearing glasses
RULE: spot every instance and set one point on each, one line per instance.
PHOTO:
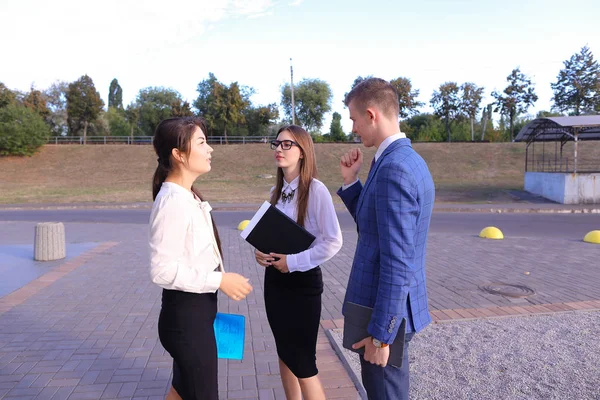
(293, 282)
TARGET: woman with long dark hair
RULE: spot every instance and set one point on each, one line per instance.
(186, 258)
(293, 282)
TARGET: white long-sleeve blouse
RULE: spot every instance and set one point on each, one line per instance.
(321, 220)
(183, 250)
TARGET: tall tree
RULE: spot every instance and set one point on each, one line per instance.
(407, 97)
(115, 95)
(336, 133)
(210, 93)
(56, 100)
(84, 105)
(446, 103)
(231, 112)
(132, 115)
(181, 109)
(577, 89)
(470, 101)
(155, 104)
(35, 100)
(312, 99)
(516, 98)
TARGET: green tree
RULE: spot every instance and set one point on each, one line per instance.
(470, 101)
(155, 104)
(22, 130)
(446, 102)
(132, 115)
(577, 89)
(115, 95)
(210, 96)
(424, 127)
(56, 100)
(223, 107)
(516, 98)
(117, 123)
(7, 96)
(336, 133)
(407, 97)
(258, 119)
(84, 105)
(312, 98)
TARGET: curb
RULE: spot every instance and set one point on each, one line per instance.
(520, 210)
(362, 393)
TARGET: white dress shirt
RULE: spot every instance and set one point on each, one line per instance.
(384, 145)
(321, 220)
(183, 250)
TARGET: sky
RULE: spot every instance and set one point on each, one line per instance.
(176, 44)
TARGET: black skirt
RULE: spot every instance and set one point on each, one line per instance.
(293, 305)
(185, 329)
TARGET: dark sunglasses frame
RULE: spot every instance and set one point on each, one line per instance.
(285, 144)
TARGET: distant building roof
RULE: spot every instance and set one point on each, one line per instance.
(587, 127)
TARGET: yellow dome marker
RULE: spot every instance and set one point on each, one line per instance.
(491, 232)
(592, 237)
(243, 224)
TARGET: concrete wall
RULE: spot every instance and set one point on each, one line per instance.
(565, 188)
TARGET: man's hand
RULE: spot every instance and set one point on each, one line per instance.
(374, 355)
(350, 164)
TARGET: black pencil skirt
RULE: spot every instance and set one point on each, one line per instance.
(293, 304)
(185, 329)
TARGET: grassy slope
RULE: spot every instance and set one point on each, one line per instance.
(463, 172)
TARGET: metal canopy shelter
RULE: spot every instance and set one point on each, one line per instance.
(559, 130)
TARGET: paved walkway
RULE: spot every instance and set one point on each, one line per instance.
(86, 328)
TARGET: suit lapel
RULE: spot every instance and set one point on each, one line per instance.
(392, 147)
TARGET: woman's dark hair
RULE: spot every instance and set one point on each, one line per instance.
(308, 170)
(175, 133)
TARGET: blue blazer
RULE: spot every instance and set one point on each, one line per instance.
(392, 213)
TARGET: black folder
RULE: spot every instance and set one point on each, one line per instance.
(271, 231)
(356, 322)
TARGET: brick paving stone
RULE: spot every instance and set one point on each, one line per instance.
(104, 334)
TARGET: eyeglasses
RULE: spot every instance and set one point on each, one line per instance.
(285, 144)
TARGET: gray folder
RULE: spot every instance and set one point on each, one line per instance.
(356, 322)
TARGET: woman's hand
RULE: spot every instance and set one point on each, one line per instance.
(263, 259)
(235, 286)
(281, 263)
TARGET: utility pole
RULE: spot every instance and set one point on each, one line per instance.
(292, 86)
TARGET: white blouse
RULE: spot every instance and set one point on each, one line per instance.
(183, 250)
(321, 220)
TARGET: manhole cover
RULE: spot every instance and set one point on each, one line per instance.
(508, 290)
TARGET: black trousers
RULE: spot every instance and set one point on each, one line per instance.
(185, 329)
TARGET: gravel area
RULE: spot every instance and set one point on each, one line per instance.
(533, 357)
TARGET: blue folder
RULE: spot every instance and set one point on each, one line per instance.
(230, 333)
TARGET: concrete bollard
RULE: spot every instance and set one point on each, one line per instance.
(49, 241)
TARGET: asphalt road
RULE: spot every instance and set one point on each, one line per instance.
(543, 225)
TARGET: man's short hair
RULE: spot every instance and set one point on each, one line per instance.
(375, 92)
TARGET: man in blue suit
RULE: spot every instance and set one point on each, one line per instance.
(392, 213)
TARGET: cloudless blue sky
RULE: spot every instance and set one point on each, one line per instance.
(176, 44)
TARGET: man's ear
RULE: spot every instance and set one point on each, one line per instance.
(371, 114)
